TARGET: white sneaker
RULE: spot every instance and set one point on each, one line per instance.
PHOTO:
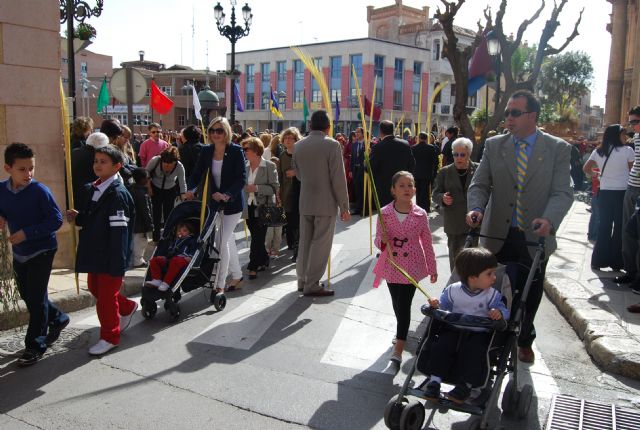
(163, 287)
(102, 347)
(125, 320)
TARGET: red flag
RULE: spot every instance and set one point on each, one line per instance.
(159, 101)
(377, 112)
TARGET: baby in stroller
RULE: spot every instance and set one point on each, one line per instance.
(178, 255)
(462, 354)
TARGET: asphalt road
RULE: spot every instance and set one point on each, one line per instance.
(271, 360)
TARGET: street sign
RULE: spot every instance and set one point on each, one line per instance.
(119, 85)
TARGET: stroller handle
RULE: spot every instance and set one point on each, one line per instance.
(463, 320)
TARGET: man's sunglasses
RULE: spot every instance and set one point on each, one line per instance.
(216, 130)
(634, 122)
(459, 154)
(514, 113)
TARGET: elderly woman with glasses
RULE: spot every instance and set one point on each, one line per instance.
(262, 185)
(450, 192)
(223, 163)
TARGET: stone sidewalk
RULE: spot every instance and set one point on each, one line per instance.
(592, 303)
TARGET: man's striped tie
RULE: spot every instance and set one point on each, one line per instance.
(521, 170)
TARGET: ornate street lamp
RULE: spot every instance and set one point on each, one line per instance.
(493, 46)
(233, 32)
(77, 10)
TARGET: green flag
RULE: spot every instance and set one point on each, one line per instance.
(103, 97)
(305, 109)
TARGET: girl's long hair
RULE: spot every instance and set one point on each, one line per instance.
(610, 139)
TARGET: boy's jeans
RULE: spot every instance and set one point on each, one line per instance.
(32, 278)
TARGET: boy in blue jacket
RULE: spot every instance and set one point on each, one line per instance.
(106, 220)
(32, 214)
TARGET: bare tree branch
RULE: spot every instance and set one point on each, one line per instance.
(526, 23)
(553, 51)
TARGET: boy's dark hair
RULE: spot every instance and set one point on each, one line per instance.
(454, 131)
(474, 261)
(17, 150)
(139, 174)
(635, 111)
(112, 152)
(320, 120)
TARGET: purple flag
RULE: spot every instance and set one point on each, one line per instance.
(236, 95)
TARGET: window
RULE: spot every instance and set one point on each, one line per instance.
(417, 69)
(298, 96)
(336, 67)
(436, 49)
(334, 94)
(473, 100)
(453, 91)
(250, 101)
(166, 90)
(378, 65)
(65, 60)
(398, 68)
(83, 67)
(318, 63)
(356, 62)
(316, 96)
(298, 70)
(266, 98)
(264, 69)
(397, 100)
(182, 121)
(437, 99)
(148, 93)
(415, 101)
(249, 72)
(282, 70)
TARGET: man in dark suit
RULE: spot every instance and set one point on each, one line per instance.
(356, 165)
(447, 154)
(426, 156)
(389, 156)
(521, 201)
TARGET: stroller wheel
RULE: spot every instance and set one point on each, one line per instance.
(177, 295)
(174, 311)
(412, 416)
(524, 401)
(149, 308)
(393, 411)
(219, 300)
(510, 398)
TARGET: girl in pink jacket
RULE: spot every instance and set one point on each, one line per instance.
(408, 242)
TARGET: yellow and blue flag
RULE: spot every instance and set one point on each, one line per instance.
(275, 108)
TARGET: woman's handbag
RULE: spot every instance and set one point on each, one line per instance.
(271, 215)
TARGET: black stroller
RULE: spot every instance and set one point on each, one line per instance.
(404, 414)
(202, 270)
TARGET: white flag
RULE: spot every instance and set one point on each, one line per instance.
(196, 104)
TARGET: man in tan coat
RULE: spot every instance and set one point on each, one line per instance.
(317, 161)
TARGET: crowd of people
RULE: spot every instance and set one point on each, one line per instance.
(123, 192)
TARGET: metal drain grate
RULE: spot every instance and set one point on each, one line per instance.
(571, 413)
(70, 338)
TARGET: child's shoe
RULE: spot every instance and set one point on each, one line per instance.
(432, 391)
(102, 347)
(459, 394)
(154, 283)
(163, 287)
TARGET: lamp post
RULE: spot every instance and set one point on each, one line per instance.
(493, 46)
(233, 32)
(281, 102)
(77, 10)
(187, 88)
